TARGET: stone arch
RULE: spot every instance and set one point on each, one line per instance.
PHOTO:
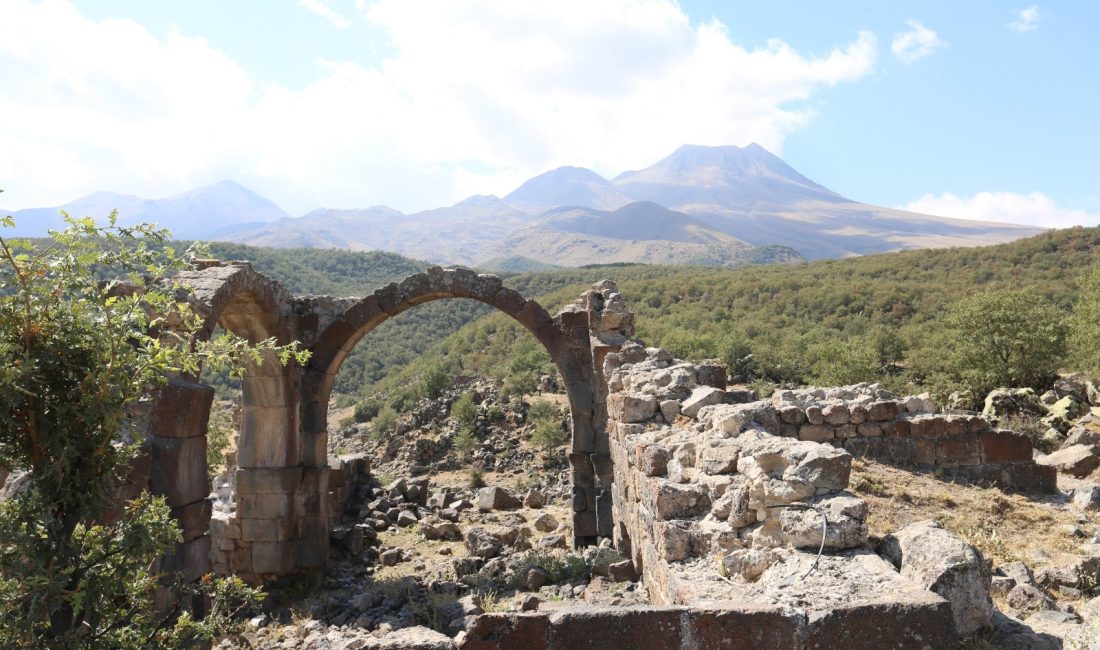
(335, 327)
(259, 538)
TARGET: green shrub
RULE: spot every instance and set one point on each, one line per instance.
(435, 381)
(543, 409)
(366, 410)
(383, 424)
(464, 411)
(548, 434)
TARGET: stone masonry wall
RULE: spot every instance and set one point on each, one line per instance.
(230, 553)
(697, 480)
(871, 422)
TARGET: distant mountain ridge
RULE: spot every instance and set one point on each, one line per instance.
(699, 205)
(200, 213)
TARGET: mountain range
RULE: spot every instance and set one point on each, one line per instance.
(700, 205)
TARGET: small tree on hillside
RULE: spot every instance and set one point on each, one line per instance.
(1085, 324)
(1004, 338)
(76, 353)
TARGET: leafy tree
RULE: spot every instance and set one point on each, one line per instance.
(840, 363)
(464, 410)
(435, 381)
(1085, 323)
(1004, 338)
(77, 354)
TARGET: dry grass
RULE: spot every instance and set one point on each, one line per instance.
(1004, 526)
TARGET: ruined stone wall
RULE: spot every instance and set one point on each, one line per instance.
(710, 485)
(871, 422)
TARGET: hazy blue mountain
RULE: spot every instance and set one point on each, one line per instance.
(195, 214)
(641, 220)
(732, 177)
(749, 193)
(699, 203)
(567, 186)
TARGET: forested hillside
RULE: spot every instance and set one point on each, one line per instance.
(878, 317)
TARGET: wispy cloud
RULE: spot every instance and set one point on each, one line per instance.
(1026, 19)
(916, 43)
(471, 98)
(1034, 209)
(324, 11)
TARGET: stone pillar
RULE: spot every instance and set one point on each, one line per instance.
(177, 455)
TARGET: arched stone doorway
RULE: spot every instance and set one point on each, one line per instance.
(336, 326)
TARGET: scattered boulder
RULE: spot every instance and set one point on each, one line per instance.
(1005, 402)
(496, 498)
(937, 559)
(545, 523)
(1076, 386)
(1078, 460)
(534, 499)
(1027, 598)
(1087, 497)
(1062, 413)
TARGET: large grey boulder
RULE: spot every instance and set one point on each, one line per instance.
(939, 560)
(1003, 402)
(1078, 460)
(496, 498)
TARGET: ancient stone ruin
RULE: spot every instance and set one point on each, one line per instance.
(734, 510)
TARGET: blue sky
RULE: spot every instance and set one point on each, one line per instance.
(977, 110)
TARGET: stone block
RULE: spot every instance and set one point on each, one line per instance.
(792, 415)
(897, 624)
(193, 518)
(259, 530)
(263, 506)
(882, 411)
(957, 451)
(836, 414)
(700, 397)
(626, 407)
(178, 469)
(182, 410)
(495, 631)
(653, 460)
(675, 501)
(869, 429)
(584, 524)
(653, 628)
(670, 410)
(744, 627)
(274, 558)
(711, 374)
(269, 437)
(281, 480)
(719, 459)
(858, 413)
(814, 415)
(845, 431)
(1030, 477)
(1001, 446)
(816, 432)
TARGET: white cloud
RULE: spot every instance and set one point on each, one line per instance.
(1026, 19)
(1034, 209)
(473, 97)
(324, 11)
(916, 43)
